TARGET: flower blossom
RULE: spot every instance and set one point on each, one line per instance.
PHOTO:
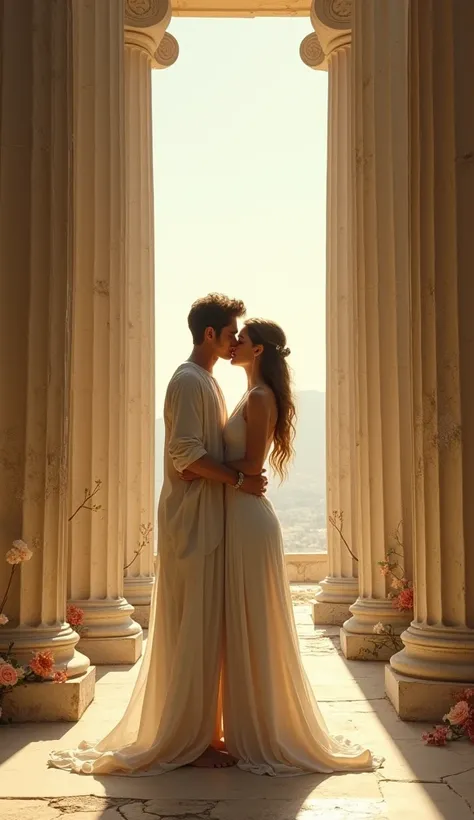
(8, 675)
(18, 553)
(379, 628)
(3, 619)
(438, 737)
(469, 729)
(404, 600)
(459, 713)
(74, 615)
(60, 676)
(42, 664)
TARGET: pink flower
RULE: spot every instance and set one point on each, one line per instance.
(3, 619)
(74, 615)
(60, 676)
(18, 553)
(468, 694)
(8, 675)
(438, 737)
(458, 714)
(404, 600)
(397, 583)
(42, 664)
(384, 569)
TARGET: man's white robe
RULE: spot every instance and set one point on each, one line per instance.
(174, 712)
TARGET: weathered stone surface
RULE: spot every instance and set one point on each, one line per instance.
(47, 702)
(166, 808)
(85, 803)
(108, 814)
(341, 809)
(463, 785)
(330, 613)
(419, 700)
(28, 810)
(433, 801)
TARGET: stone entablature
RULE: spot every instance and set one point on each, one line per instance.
(241, 8)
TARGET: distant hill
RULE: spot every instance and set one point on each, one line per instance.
(301, 501)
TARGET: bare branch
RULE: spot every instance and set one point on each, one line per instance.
(88, 496)
(145, 532)
(4, 599)
(333, 520)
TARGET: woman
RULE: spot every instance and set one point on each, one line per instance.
(272, 723)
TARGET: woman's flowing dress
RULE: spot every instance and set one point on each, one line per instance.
(272, 723)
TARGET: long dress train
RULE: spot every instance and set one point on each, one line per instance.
(272, 723)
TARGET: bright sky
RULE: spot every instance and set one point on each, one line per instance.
(240, 188)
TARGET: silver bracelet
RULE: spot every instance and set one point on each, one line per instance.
(240, 481)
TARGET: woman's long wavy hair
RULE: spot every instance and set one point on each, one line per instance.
(275, 373)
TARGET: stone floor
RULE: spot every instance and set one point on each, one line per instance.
(416, 782)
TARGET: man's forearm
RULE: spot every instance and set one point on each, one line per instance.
(246, 467)
(212, 470)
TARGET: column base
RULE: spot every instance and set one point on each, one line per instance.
(416, 699)
(109, 634)
(338, 590)
(113, 651)
(365, 647)
(62, 641)
(334, 600)
(325, 612)
(142, 615)
(358, 639)
(437, 654)
(138, 591)
(46, 702)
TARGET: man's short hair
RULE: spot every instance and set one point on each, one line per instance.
(214, 310)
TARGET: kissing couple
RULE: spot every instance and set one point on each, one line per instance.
(222, 682)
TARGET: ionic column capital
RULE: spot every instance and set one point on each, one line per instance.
(167, 52)
(332, 23)
(146, 22)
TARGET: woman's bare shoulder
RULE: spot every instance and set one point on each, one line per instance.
(261, 399)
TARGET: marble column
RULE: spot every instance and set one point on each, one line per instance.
(329, 47)
(35, 316)
(147, 46)
(381, 245)
(438, 654)
(97, 435)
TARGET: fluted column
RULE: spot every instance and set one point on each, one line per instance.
(146, 46)
(35, 276)
(330, 47)
(98, 352)
(381, 257)
(438, 656)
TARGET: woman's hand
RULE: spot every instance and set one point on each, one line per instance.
(188, 475)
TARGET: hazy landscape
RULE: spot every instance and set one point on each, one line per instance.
(301, 501)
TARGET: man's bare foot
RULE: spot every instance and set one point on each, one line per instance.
(214, 759)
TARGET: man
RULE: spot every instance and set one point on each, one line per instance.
(191, 532)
